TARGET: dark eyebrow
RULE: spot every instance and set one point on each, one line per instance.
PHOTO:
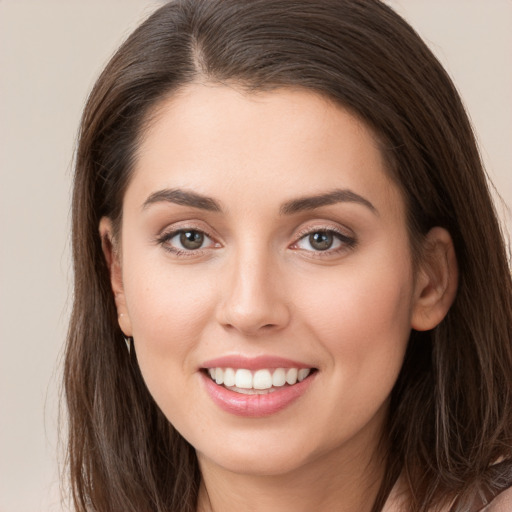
(336, 196)
(183, 197)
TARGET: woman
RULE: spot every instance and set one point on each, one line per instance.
(280, 207)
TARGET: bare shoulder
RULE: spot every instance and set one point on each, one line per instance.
(397, 499)
(397, 502)
(502, 502)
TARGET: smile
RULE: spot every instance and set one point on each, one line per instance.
(257, 392)
(261, 381)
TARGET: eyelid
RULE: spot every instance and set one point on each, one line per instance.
(346, 237)
(169, 232)
(312, 228)
(187, 224)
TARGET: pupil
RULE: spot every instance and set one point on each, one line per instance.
(191, 239)
(321, 240)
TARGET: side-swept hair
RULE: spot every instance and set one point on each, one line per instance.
(450, 418)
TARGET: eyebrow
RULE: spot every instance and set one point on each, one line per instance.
(195, 200)
(333, 197)
(184, 198)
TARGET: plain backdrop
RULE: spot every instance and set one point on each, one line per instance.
(50, 54)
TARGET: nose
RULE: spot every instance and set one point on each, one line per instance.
(254, 298)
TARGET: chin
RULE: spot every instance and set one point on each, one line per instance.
(274, 454)
(256, 464)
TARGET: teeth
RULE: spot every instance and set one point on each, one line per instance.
(264, 379)
(279, 378)
(303, 373)
(243, 379)
(229, 377)
(291, 376)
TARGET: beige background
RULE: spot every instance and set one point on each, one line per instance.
(50, 54)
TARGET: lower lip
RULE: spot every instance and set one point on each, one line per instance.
(254, 406)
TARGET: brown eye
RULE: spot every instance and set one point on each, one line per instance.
(187, 242)
(321, 240)
(191, 239)
(328, 241)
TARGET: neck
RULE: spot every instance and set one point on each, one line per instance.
(345, 480)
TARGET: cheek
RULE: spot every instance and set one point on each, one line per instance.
(361, 315)
(169, 309)
(169, 312)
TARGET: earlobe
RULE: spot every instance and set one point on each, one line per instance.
(112, 258)
(436, 281)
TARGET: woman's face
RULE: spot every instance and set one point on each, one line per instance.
(263, 240)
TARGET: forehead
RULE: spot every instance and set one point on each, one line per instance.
(223, 142)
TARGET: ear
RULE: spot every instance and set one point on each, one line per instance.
(112, 257)
(436, 280)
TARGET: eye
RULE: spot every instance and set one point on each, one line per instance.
(321, 240)
(324, 240)
(190, 240)
(186, 240)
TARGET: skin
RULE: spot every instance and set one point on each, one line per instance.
(257, 286)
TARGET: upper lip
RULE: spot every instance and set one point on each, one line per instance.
(253, 363)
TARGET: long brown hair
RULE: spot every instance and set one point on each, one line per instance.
(450, 418)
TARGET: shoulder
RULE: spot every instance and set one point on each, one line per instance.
(397, 502)
(501, 503)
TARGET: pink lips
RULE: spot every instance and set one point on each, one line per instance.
(257, 405)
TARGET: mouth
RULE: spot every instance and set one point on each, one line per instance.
(257, 382)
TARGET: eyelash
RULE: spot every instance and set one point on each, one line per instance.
(346, 242)
(165, 238)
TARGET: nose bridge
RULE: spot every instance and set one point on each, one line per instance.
(254, 296)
